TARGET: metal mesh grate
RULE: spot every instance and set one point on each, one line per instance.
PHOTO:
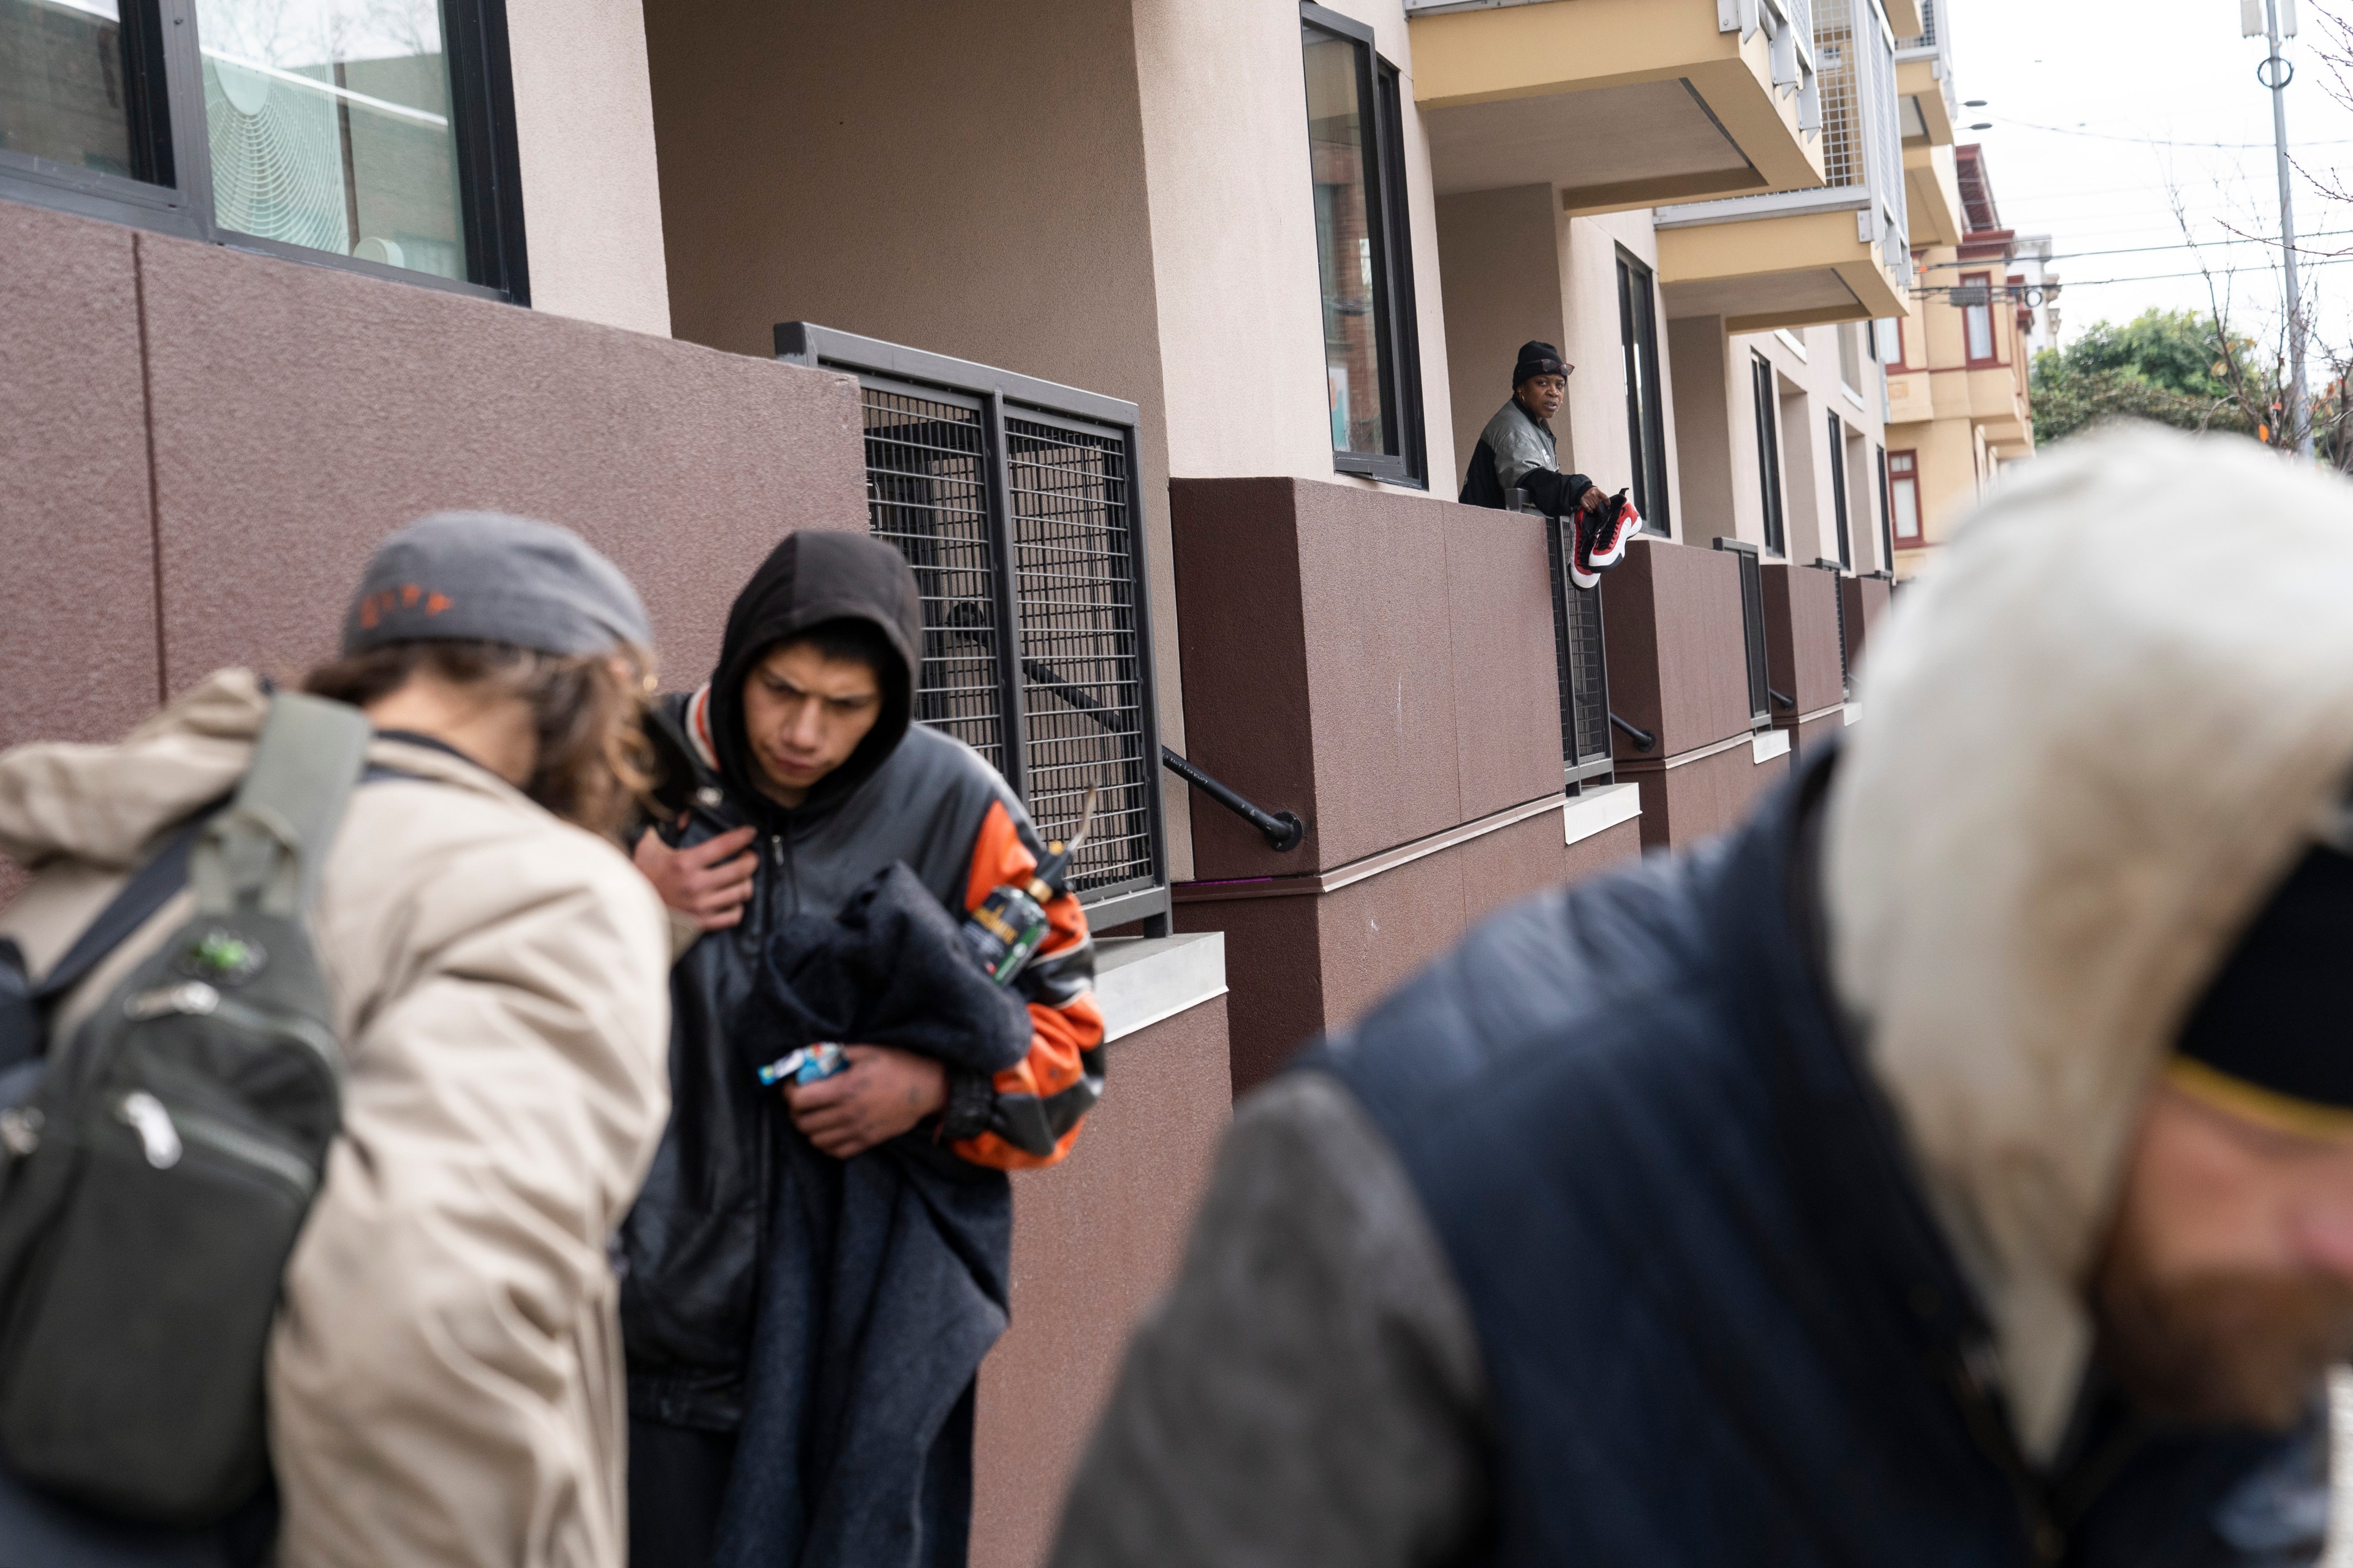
(1081, 675)
(1846, 666)
(1752, 623)
(1582, 666)
(1835, 74)
(926, 493)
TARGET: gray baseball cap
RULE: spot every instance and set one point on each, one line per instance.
(484, 576)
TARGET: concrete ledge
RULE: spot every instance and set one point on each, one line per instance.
(1764, 745)
(1141, 979)
(1599, 810)
(1853, 711)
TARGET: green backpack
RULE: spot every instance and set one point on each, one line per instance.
(152, 1185)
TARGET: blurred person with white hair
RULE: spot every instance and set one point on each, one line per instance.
(1951, 1165)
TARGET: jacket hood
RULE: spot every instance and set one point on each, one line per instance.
(808, 580)
(2095, 737)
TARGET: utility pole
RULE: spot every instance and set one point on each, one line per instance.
(2275, 74)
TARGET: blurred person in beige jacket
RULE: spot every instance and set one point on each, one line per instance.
(445, 1381)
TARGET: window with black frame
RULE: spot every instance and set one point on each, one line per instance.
(1765, 388)
(1838, 492)
(1364, 249)
(375, 134)
(1646, 423)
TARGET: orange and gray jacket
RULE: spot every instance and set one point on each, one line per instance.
(692, 1243)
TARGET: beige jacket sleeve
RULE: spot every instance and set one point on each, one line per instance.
(445, 1384)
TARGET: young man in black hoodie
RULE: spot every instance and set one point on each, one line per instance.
(799, 756)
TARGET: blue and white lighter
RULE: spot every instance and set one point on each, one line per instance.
(807, 1065)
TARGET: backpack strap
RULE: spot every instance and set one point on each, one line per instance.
(134, 905)
(266, 849)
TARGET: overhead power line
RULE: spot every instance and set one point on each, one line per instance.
(2064, 284)
(2145, 249)
(2156, 141)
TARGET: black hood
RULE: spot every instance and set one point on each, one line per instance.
(809, 579)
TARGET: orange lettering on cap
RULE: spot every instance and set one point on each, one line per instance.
(410, 594)
(367, 611)
(436, 603)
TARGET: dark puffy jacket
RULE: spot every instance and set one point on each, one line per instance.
(692, 1244)
(1718, 1323)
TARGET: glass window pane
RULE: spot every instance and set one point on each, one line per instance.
(65, 90)
(1907, 510)
(1338, 140)
(330, 124)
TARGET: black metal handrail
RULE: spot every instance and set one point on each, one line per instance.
(1643, 739)
(1282, 829)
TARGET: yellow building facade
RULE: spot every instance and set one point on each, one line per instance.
(1958, 403)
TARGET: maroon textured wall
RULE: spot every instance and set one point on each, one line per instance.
(1678, 666)
(1866, 601)
(1300, 964)
(1381, 664)
(1801, 638)
(1698, 799)
(1095, 1240)
(1819, 733)
(77, 658)
(301, 413)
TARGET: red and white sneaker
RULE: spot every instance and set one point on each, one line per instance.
(1577, 573)
(1601, 544)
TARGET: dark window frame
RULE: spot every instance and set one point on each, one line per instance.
(1982, 282)
(1646, 419)
(1838, 492)
(176, 147)
(1886, 514)
(1912, 477)
(1765, 390)
(1389, 224)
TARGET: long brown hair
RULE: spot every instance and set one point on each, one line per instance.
(594, 762)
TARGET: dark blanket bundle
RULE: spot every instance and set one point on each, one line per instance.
(885, 1278)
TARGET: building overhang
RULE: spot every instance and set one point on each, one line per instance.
(1904, 19)
(1932, 196)
(1919, 81)
(1617, 103)
(1805, 265)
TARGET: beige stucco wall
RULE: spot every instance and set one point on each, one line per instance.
(1222, 101)
(924, 174)
(584, 136)
(1595, 414)
(1710, 398)
(1500, 252)
(1810, 386)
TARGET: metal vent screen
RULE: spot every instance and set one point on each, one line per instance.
(927, 493)
(1081, 675)
(1583, 668)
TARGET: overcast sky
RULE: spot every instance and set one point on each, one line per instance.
(2101, 109)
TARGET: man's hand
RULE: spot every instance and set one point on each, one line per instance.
(880, 1094)
(700, 881)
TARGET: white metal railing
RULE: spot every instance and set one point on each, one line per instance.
(1934, 42)
(1853, 83)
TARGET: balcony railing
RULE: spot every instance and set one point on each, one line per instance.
(1017, 501)
(1752, 627)
(1584, 667)
(1934, 41)
(1861, 128)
